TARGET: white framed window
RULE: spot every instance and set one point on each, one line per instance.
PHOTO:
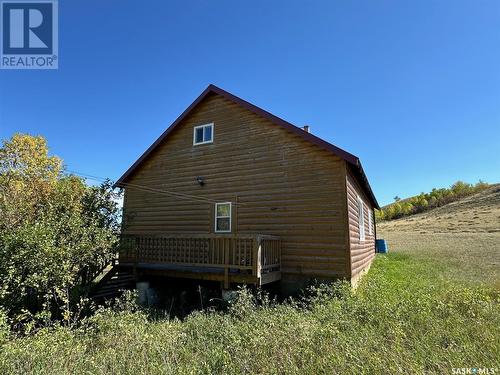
(370, 222)
(223, 217)
(203, 134)
(361, 219)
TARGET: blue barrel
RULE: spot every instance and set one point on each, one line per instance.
(381, 246)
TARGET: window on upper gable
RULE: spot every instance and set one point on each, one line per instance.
(203, 134)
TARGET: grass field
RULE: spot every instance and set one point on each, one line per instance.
(461, 238)
(429, 306)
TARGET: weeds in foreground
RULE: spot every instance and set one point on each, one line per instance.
(401, 319)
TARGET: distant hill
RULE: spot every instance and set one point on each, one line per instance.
(479, 212)
(427, 201)
(460, 239)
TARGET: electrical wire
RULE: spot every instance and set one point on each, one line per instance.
(184, 196)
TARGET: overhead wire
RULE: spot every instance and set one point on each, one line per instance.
(158, 191)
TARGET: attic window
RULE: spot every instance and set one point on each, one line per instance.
(223, 217)
(203, 134)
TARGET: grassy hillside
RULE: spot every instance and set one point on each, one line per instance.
(478, 213)
(430, 200)
(462, 237)
(430, 305)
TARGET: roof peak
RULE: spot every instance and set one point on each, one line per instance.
(348, 157)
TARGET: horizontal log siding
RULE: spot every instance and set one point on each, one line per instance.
(284, 186)
(361, 252)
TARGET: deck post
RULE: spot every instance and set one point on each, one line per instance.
(257, 257)
(226, 262)
(136, 256)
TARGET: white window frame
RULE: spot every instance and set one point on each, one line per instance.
(211, 125)
(361, 219)
(370, 222)
(223, 217)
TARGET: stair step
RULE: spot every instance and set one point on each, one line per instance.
(118, 281)
(112, 287)
(113, 294)
(112, 291)
(121, 278)
(115, 286)
(118, 276)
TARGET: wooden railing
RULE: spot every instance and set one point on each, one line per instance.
(253, 254)
(270, 254)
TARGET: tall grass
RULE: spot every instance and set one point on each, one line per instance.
(403, 318)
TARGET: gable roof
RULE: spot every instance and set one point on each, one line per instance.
(348, 157)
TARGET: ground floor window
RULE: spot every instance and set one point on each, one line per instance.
(223, 217)
(370, 221)
(361, 219)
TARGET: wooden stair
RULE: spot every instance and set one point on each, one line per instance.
(113, 284)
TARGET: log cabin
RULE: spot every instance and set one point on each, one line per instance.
(231, 193)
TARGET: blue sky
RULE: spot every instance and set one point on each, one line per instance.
(411, 87)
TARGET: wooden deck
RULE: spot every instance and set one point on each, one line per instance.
(248, 259)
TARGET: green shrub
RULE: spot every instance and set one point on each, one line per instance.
(4, 327)
(56, 233)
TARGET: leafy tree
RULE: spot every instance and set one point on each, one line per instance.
(407, 208)
(481, 185)
(380, 215)
(56, 232)
(433, 201)
(398, 210)
(461, 188)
